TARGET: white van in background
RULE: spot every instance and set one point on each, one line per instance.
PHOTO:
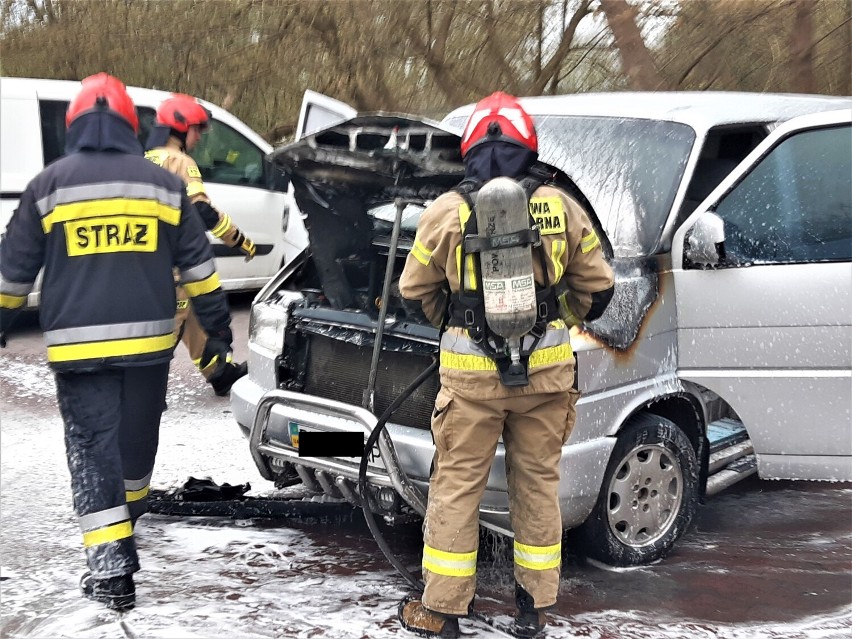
(231, 157)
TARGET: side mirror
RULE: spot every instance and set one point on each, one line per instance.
(705, 242)
(275, 177)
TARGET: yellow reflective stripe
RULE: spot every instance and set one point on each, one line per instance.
(110, 348)
(194, 188)
(421, 253)
(12, 301)
(557, 250)
(222, 227)
(541, 357)
(464, 214)
(551, 355)
(589, 242)
(211, 365)
(472, 284)
(449, 564)
(567, 314)
(108, 534)
(538, 557)
(468, 283)
(110, 207)
(194, 289)
(465, 362)
(157, 156)
(136, 495)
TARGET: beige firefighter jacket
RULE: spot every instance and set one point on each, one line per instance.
(172, 158)
(574, 258)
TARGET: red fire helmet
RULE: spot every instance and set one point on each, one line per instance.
(499, 117)
(179, 112)
(103, 91)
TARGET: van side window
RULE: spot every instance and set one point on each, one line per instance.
(52, 113)
(724, 148)
(146, 121)
(227, 157)
(796, 205)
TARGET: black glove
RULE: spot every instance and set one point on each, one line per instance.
(215, 350)
(245, 245)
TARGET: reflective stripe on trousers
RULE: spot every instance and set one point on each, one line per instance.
(136, 494)
(449, 564)
(538, 557)
(112, 420)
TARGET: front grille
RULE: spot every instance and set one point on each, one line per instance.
(340, 371)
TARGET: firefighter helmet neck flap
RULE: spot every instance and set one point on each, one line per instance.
(102, 117)
(498, 140)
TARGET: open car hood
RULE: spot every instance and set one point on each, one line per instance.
(381, 155)
(343, 173)
(347, 177)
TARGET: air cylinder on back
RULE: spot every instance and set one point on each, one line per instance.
(508, 283)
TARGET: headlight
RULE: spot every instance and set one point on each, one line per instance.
(268, 322)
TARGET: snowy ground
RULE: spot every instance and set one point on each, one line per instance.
(765, 560)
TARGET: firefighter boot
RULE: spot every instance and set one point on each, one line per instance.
(529, 622)
(417, 618)
(116, 593)
(223, 379)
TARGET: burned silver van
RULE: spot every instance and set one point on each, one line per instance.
(725, 351)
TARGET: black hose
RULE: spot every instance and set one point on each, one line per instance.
(362, 477)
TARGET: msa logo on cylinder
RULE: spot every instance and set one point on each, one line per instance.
(111, 235)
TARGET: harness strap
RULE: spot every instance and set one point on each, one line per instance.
(467, 307)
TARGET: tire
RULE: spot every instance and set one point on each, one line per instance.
(649, 495)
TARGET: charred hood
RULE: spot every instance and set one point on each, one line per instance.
(342, 173)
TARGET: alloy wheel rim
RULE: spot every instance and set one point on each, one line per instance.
(644, 495)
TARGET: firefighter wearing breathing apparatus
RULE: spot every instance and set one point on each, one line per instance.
(509, 263)
(178, 126)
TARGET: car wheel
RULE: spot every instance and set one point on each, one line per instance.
(648, 497)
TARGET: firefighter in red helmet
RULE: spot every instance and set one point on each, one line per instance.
(180, 121)
(108, 228)
(482, 397)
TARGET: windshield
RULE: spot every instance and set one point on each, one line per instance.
(629, 169)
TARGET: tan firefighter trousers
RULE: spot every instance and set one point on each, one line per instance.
(466, 432)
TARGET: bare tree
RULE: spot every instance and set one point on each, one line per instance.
(636, 61)
(802, 48)
(257, 57)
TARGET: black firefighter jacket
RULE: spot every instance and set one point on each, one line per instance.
(108, 226)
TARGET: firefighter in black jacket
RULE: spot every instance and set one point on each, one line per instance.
(108, 226)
